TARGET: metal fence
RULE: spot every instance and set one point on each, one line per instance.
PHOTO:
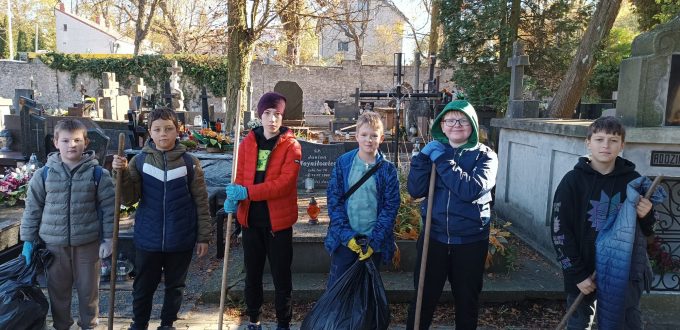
(665, 256)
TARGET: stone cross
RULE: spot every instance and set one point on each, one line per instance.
(175, 90)
(110, 85)
(174, 70)
(517, 63)
(140, 88)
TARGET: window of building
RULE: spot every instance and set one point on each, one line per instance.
(65, 27)
(343, 46)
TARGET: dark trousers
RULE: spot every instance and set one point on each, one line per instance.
(148, 267)
(463, 266)
(260, 244)
(343, 258)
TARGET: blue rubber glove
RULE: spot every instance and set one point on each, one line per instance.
(230, 206)
(236, 192)
(27, 252)
(434, 150)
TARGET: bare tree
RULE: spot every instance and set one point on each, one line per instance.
(291, 22)
(191, 26)
(571, 87)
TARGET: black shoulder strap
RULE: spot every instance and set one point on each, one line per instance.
(361, 181)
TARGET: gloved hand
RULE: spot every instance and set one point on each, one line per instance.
(354, 246)
(236, 192)
(433, 149)
(365, 255)
(105, 248)
(230, 206)
(27, 251)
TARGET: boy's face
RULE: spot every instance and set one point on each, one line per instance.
(457, 127)
(71, 145)
(164, 133)
(271, 122)
(369, 139)
(604, 147)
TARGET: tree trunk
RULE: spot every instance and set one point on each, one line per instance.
(292, 25)
(433, 47)
(569, 92)
(239, 57)
(142, 25)
(509, 31)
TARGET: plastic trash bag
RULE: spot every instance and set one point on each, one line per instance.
(22, 304)
(357, 301)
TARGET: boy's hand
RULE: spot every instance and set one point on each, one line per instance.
(643, 207)
(587, 286)
(119, 163)
(230, 206)
(434, 150)
(105, 248)
(236, 192)
(365, 255)
(354, 246)
(201, 249)
(27, 251)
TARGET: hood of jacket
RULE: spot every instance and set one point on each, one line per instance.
(469, 111)
(621, 166)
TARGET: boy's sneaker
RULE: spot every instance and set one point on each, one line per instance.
(135, 327)
(166, 327)
(254, 326)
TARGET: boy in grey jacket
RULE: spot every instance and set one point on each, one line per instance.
(62, 208)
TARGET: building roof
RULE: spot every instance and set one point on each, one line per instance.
(102, 28)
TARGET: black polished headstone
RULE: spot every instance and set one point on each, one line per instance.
(318, 161)
(344, 111)
(205, 112)
(293, 93)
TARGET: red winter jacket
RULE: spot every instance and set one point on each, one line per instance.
(279, 188)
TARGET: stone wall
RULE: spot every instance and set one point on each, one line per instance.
(534, 155)
(318, 83)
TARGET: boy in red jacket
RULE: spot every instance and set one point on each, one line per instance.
(265, 185)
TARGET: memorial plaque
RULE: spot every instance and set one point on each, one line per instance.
(318, 161)
(665, 159)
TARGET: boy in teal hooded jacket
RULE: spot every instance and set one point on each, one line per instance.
(459, 234)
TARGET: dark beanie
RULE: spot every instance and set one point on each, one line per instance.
(271, 100)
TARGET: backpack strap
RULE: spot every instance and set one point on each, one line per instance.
(189, 163)
(46, 169)
(97, 175)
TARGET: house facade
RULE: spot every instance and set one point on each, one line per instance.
(377, 26)
(78, 35)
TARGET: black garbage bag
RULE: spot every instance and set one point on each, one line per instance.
(357, 301)
(22, 304)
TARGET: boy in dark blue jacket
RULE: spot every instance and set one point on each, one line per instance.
(459, 237)
(371, 210)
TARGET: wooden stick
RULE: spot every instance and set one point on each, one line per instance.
(579, 299)
(114, 238)
(230, 216)
(426, 247)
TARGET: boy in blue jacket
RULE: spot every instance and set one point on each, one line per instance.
(459, 237)
(371, 210)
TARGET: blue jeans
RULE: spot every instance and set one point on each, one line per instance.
(343, 258)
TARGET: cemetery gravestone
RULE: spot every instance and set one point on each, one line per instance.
(293, 93)
(113, 105)
(33, 130)
(517, 106)
(318, 161)
(18, 94)
(649, 80)
(175, 89)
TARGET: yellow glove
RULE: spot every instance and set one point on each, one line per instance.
(363, 256)
(354, 246)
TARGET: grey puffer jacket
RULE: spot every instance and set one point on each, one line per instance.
(62, 210)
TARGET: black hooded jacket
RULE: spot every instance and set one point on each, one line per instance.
(583, 202)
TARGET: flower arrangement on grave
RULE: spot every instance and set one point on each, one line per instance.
(14, 185)
(253, 123)
(211, 139)
(661, 260)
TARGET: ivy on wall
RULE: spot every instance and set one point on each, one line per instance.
(201, 70)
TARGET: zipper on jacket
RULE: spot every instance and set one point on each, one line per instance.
(165, 181)
(68, 202)
(448, 233)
